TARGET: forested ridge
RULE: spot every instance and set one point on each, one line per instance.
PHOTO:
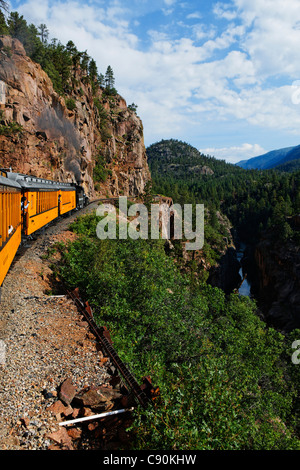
(226, 379)
(253, 200)
(56, 59)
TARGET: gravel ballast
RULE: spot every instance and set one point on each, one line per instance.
(43, 341)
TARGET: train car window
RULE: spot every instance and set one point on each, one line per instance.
(46, 200)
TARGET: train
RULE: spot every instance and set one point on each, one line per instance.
(29, 203)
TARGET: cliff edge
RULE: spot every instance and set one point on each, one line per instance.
(86, 136)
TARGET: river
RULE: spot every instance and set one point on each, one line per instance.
(245, 287)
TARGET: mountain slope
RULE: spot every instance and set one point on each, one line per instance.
(271, 159)
(85, 135)
(179, 159)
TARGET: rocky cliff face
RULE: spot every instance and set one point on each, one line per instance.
(86, 137)
(278, 289)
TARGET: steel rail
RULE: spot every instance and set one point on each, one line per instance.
(103, 336)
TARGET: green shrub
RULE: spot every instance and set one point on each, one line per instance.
(71, 104)
(223, 375)
(11, 128)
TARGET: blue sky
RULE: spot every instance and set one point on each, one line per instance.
(221, 76)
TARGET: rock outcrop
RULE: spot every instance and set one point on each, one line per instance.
(278, 289)
(225, 275)
(65, 138)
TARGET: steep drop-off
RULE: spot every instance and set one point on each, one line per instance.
(278, 282)
(72, 138)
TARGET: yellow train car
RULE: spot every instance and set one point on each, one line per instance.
(67, 201)
(43, 200)
(10, 223)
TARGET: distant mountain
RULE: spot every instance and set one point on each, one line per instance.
(289, 167)
(271, 159)
(180, 160)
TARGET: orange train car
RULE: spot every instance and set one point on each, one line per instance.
(27, 204)
(10, 222)
(43, 200)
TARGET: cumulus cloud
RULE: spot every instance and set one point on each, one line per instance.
(272, 41)
(236, 153)
(211, 73)
(223, 10)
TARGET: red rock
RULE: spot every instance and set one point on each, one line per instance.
(57, 407)
(74, 433)
(67, 392)
(75, 412)
(86, 412)
(93, 426)
(61, 144)
(97, 397)
(62, 438)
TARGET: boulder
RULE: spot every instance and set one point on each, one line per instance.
(67, 391)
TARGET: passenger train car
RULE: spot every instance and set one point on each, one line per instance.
(27, 204)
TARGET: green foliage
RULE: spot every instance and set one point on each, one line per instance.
(3, 25)
(109, 80)
(249, 198)
(58, 61)
(223, 375)
(12, 128)
(71, 104)
(133, 107)
(100, 172)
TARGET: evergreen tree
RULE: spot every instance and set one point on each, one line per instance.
(109, 80)
(3, 25)
(3, 5)
(93, 72)
(101, 80)
(17, 27)
(85, 59)
(43, 33)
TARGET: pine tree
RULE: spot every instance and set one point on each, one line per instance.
(101, 80)
(110, 80)
(3, 5)
(17, 26)
(43, 33)
(3, 25)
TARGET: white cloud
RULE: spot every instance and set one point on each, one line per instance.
(196, 15)
(222, 10)
(274, 37)
(235, 154)
(209, 75)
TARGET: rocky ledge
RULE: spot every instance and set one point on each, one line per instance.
(98, 141)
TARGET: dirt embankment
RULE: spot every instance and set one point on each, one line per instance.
(45, 341)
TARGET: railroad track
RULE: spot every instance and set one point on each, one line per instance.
(145, 393)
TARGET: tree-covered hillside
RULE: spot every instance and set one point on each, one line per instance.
(56, 59)
(253, 200)
(226, 380)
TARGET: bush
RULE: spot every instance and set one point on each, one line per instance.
(71, 104)
(222, 373)
(11, 128)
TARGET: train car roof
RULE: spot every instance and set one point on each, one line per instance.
(34, 183)
(7, 182)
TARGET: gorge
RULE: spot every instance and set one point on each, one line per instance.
(225, 377)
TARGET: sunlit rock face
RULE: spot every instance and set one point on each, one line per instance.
(42, 135)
